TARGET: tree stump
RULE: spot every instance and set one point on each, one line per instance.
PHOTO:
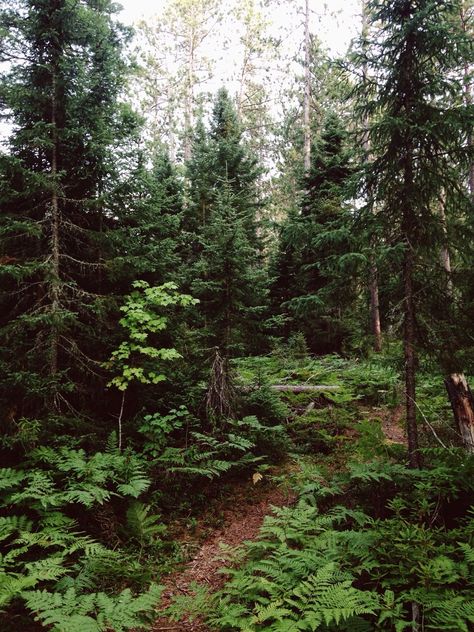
(462, 403)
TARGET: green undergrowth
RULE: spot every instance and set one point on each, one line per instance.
(87, 535)
(370, 544)
(370, 387)
(365, 549)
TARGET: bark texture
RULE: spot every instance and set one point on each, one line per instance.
(374, 283)
(462, 403)
(410, 360)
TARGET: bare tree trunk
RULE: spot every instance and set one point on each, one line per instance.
(415, 617)
(307, 93)
(189, 100)
(240, 96)
(410, 359)
(374, 283)
(54, 284)
(375, 307)
(171, 126)
(445, 255)
(462, 403)
(465, 21)
(119, 421)
(220, 396)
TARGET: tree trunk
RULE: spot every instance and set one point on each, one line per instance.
(468, 91)
(410, 359)
(445, 255)
(375, 308)
(462, 403)
(304, 388)
(307, 94)
(189, 99)
(374, 283)
(54, 283)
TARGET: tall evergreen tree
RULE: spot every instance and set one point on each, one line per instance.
(229, 281)
(224, 249)
(221, 158)
(59, 93)
(308, 285)
(417, 139)
(148, 205)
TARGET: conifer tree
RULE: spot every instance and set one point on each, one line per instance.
(229, 281)
(308, 285)
(149, 207)
(417, 139)
(224, 250)
(219, 157)
(59, 92)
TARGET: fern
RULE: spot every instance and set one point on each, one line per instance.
(12, 585)
(455, 614)
(10, 525)
(143, 526)
(136, 484)
(10, 478)
(328, 596)
(95, 612)
(377, 471)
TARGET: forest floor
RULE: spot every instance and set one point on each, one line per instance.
(243, 515)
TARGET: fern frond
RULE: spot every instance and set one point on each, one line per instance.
(10, 478)
(95, 612)
(142, 525)
(12, 524)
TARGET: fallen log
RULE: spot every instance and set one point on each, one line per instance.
(304, 388)
(292, 388)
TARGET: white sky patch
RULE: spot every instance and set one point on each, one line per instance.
(336, 22)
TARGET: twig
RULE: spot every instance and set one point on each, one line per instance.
(427, 423)
(120, 423)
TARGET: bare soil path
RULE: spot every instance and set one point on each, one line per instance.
(391, 420)
(243, 517)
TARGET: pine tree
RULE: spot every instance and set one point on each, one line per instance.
(219, 157)
(59, 92)
(309, 286)
(417, 139)
(223, 245)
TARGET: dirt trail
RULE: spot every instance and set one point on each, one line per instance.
(391, 424)
(241, 522)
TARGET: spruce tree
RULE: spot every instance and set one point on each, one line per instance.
(221, 158)
(223, 244)
(309, 288)
(229, 281)
(148, 206)
(59, 92)
(417, 139)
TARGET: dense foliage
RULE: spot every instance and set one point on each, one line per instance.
(186, 304)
